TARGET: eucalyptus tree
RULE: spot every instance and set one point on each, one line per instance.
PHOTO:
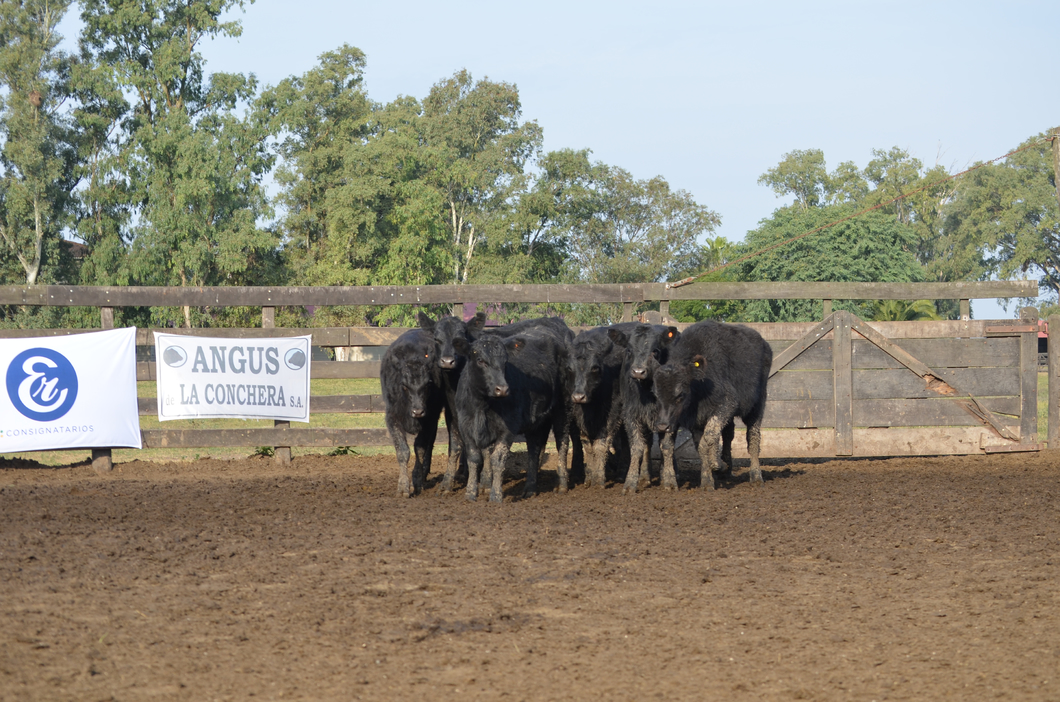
(178, 154)
(1010, 210)
(37, 159)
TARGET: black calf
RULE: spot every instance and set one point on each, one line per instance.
(647, 348)
(594, 365)
(508, 387)
(716, 372)
(412, 391)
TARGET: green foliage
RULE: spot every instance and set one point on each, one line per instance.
(871, 248)
(37, 157)
(1010, 211)
(180, 165)
(904, 310)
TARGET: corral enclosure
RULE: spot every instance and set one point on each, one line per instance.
(840, 387)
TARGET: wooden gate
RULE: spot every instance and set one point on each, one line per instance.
(845, 387)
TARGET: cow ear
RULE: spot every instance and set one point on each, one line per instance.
(670, 335)
(698, 366)
(461, 346)
(476, 324)
(426, 323)
(618, 337)
(515, 345)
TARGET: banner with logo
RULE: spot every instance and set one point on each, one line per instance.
(202, 377)
(76, 391)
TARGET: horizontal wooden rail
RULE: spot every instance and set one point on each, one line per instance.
(278, 436)
(95, 296)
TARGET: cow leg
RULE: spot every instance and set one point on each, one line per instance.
(474, 465)
(754, 447)
(727, 435)
(598, 462)
(424, 445)
(401, 448)
(668, 476)
(561, 431)
(709, 448)
(639, 458)
(456, 450)
(497, 460)
(588, 456)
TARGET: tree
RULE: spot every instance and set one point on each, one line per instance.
(190, 167)
(1010, 210)
(316, 117)
(476, 154)
(871, 248)
(802, 174)
(37, 160)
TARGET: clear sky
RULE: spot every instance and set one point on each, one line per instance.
(709, 94)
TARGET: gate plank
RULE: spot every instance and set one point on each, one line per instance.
(841, 362)
(927, 412)
(1029, 376)
(943, 353)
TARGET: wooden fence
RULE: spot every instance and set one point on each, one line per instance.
(841, 387)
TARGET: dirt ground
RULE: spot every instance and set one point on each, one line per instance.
(901, 579)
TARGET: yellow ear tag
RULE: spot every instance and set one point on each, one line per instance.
(696, 364)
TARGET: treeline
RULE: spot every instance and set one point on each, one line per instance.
(128, 163)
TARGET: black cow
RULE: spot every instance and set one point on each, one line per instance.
(647, 348)
(414, 397)
(508, 387)
(450, 364)
(716, 372)
(594, 367)
(555, 326)
(445, 331)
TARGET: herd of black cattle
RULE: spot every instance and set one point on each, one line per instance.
(611, 388)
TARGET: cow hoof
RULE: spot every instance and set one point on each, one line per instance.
(495, 497)
(471, 496)
(627, 490)
(445, 487)
(669, 486)
(756, 480)
(707, 487)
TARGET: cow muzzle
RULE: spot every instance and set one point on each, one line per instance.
(500, 391)
(447, 362)
(579, 398)
(638, 373)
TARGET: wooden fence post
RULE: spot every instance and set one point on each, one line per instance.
(843, 383)
(102, 459)
(627, 311)
(826, 308)
(1054, 381)
(1029, 377)
(966, 310)
(282, 454)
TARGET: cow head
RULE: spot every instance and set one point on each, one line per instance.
(647, 348)
(674, 386)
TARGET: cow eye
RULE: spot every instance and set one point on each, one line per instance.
(483, 362)
(655, 354)
(596, 370)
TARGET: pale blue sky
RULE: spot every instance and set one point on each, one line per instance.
(709, 95)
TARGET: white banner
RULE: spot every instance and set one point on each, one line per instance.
(203, 377)
(76, 391)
